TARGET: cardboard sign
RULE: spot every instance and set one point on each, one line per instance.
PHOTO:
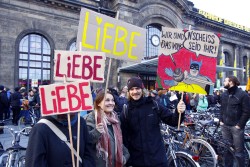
(188, 62)
(65, 98)
(34, 83)
(76, 66)
(118, 39)
(200, 42)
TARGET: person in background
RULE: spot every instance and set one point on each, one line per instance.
(123, 96)
(140, 125)
(105, 134)
(15, 104)
(24, 94)
(173, 99)
(155, 96)
(202, 104)
(31, 95)
(211, 100)
(36, 102)
(217, 94)
(46, 149)
(4, 103)
(234, 113)
(8, 96)
(36, 99)
(164, 99)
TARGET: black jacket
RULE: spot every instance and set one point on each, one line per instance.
(4, 101)
(141, 132)
(46, 149)
(235, 107)
(15, 99)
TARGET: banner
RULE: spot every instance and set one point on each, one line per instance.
(77, 66)
(199, 42)
(118, 39)
(188, 60)
(65, 98)
(235, 63)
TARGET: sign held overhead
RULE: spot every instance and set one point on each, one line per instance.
(76, 66)
(118, 39)
(65, 98)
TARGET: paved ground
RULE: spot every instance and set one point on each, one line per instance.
(6, 138)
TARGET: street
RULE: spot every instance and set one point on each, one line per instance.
(6, 138)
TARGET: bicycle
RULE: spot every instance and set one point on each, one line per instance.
(27, 118)
(176, 158)
(221, 146)
(14, 156)
(188, 141)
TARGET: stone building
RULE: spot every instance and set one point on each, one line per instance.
(30, 31)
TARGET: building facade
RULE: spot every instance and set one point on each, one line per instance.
(30, 31)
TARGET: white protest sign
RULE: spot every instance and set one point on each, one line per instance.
(34, 83)
(118, 39)
(65, 98)
(76, 66)
(202, 42)
(171, 40)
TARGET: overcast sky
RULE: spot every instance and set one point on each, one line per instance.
(237, 11)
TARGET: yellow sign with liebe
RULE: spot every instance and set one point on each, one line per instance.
(118, 39)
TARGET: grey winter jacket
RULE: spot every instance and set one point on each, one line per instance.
(95, 135)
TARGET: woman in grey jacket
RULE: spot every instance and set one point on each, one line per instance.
(105, 133)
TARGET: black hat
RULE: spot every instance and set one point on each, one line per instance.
(135, 82)
(17, 89)
(1, 87)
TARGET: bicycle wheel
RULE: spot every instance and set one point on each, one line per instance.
(23, 122)
(206, 155)
(21, 162)
(182, 160)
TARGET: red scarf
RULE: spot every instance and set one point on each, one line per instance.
(104, 146)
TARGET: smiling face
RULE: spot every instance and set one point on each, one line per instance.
(108, 104)
(135, 93)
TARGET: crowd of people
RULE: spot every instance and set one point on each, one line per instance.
(124, 127)
(17, 103)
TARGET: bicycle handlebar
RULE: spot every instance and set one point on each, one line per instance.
(25, 131)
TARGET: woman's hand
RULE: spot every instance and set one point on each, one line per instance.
(100, 128)
(181, 107)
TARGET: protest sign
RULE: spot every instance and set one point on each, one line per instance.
(75, 66)
(188, 60)
(118, 39)
(200, 42)
(34, 83)
(65, 98)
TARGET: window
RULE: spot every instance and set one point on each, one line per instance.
(245, 69)
(153, 33)
(228, 63)
(34, 60)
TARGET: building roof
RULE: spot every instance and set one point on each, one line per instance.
(150, 67)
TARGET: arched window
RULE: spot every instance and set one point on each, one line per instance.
(34, 61)
(228, 63)
(153, 32)
(72, 46)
